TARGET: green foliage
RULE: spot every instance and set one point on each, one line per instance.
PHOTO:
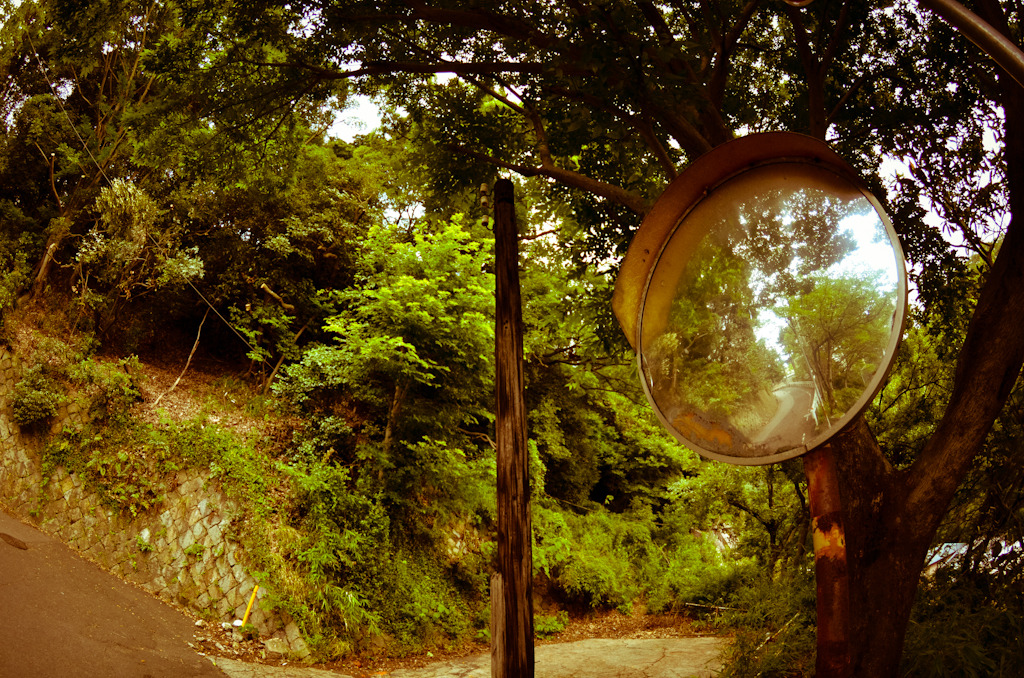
(195, 551)
(966, 624)
(14, 266)
(128, 477)
(606, 565)
(116, 242)
(417, 319)
(125, 478)
(773, 626)
(763, 508)
(402, 389)
(36, 398)
(697, 577)
(345, 578)
(245, 472)
(843, 326)
(602, 559)
(110, 385)
(68, 450)
(546, 625)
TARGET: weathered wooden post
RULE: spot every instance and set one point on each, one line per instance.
(512, 586)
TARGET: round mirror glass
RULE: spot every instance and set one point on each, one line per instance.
(772, 313)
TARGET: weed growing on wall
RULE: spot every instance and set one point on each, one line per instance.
(109, 452)
(129, 475)
(36, 398)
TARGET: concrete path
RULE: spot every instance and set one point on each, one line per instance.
(595, 658)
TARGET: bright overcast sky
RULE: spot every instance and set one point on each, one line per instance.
(362, 117)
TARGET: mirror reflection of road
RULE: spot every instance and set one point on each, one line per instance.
(793, 423)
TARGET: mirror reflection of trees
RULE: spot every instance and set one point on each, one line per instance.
(787, 235)
(780, 320)
(699, 366)
(835, 336)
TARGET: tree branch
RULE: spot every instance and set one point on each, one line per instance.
(616, 194)
(814, 70)
(481, 20)
(640, 123)
(371, 68)
(990, 359)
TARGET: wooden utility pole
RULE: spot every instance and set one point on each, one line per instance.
(512, 585)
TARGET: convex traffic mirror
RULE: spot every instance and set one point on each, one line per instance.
(765, 295)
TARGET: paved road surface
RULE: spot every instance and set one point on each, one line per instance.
(62, 616)
(595, 658)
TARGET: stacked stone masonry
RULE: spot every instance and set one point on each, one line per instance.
(179, 550)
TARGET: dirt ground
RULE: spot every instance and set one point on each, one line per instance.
(605, 624)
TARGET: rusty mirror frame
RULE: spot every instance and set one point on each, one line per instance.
(677, 232)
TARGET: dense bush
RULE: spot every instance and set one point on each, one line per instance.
(773, 623)
(967, 624)
(348, 577)
(36, 398)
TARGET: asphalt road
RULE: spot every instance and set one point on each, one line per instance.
(62, 616)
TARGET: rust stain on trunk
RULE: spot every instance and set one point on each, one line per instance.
(830, 568)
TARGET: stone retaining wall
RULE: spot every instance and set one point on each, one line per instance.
(179, 550)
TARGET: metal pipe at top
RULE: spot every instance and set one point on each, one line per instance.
(981, 33)
(993, 43)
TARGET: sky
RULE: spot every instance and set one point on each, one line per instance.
(361, 117)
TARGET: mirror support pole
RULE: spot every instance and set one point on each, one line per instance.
(830, 569)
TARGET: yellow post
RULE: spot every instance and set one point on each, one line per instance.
(248, 609)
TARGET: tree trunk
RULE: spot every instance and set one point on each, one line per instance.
(393, 413)
(830, 569)
(887, 540)
(43, 274)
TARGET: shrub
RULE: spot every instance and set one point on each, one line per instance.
(545, 625)
(696, 577)
(36, 398)
(773, 621)
(600, 559)
(966, 624)
(343, 577)
(110, 385)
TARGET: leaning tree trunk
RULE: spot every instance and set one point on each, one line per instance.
(892, 515)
